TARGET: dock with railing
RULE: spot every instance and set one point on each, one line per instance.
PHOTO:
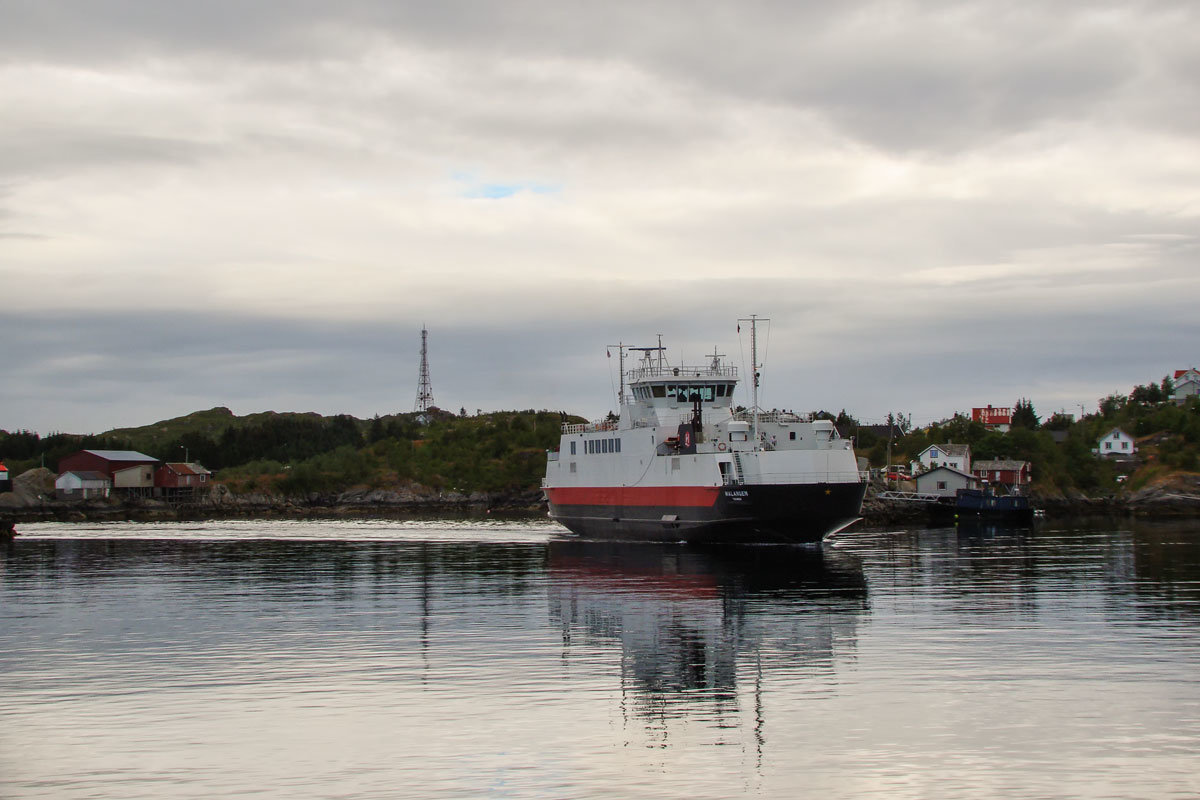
(908, 497)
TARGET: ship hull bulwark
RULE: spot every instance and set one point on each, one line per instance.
(760, 513)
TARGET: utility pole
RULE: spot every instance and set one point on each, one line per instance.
(424, 387)
(887, 468)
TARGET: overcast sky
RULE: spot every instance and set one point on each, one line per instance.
(939, 205)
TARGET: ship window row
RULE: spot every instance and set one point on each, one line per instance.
(601, 446)
(683, 392)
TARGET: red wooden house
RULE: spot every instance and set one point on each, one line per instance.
(106, 462)
(181, 475)
(1003, 471)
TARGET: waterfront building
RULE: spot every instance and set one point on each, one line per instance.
(106, 462)
(82, 485)
(945, 481)
(1003, 471)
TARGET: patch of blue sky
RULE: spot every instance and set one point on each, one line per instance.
(476, 189)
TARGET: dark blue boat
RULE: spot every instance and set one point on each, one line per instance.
(983, 505)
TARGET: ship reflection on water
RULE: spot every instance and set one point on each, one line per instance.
(701, 631)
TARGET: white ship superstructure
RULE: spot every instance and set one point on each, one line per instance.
(679, 463)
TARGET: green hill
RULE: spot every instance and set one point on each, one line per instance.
(299, 453)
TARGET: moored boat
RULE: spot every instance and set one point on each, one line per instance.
(679, 463)
(983, 505)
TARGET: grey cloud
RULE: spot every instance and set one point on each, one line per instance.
(25, 153)
(618, 95)
(907, 76)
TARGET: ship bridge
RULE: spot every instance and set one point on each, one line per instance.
(683, 384)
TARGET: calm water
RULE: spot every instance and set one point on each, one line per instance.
(384, 659)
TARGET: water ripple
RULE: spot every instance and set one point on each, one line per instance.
(499, 658)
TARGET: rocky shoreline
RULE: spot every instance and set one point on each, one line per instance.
(407, 503)
(33, 500)
(387, 504)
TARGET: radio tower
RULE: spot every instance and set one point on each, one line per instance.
(424, 388)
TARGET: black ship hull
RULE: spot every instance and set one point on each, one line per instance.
(739, 514)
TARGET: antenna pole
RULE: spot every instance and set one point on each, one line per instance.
(754, 368)
(424, 386)
(621, 348)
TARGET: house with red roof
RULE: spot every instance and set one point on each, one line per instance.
(994, 419)
(1187, 385)
(1004, 471)
(181, 480)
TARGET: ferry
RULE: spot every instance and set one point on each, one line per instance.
(679, 463)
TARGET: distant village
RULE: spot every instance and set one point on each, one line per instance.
(92, 474)
(943, 469)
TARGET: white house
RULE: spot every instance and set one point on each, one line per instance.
(1116, 444)
(82, 484)
(1187, 385)
(945, 481)
(956, 456)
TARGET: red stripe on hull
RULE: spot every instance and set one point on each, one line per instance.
(680, 496)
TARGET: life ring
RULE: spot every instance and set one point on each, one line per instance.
(721, 446)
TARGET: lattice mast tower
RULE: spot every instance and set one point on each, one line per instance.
(424, 387)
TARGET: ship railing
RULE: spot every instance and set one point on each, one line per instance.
(769, 417)
(590, 427)
(668, 371)
(846, 476)
(552, 455)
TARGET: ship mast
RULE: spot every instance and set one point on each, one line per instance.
(754, 368)
(621, 348)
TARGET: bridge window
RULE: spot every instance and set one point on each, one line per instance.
(572, 448)
(659, 390)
